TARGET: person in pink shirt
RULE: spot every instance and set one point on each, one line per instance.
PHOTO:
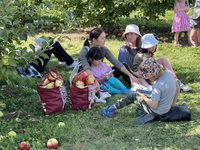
(181, 21)
(101, 71)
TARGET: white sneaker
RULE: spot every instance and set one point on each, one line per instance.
(72, 65)
(104, 95)
(99, 100)
(184, 87)
(62, 63)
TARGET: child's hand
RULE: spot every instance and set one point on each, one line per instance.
(142, 95)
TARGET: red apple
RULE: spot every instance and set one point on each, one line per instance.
(52, 143)
(83, 76)
(119, 34)
(74, 80)
(89, 80)
(24, 146)
(49, 86)
(58, 83)
(22, 131)
(52, 76)
(45, 82)
(80, 83)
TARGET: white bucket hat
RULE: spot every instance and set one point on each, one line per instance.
(148, 40)
(132, 28)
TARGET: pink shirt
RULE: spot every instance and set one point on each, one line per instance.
(101, 71)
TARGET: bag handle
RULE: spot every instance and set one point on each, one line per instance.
(49, 71)
(104, 85)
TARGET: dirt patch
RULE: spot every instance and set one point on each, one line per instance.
(8, 91)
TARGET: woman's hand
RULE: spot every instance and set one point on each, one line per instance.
(137, 74)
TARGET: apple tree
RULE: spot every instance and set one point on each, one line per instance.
(21, 19)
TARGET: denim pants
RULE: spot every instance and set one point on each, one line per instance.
(142, 107)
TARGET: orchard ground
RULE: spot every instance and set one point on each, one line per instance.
(89, 130)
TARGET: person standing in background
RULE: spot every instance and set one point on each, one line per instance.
(181, 21)
(194, 24)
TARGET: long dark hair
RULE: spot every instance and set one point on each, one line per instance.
(94, 33)
(143, 50)
(94, 54)
(138, 43)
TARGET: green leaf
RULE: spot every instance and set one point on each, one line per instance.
(45, 55)
(12, 62)
(32, 47)
(4, 35)
(1, 63)
(42, 62)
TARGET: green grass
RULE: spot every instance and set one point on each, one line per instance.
(87, 130)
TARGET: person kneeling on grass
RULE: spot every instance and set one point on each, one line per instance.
(164, 94)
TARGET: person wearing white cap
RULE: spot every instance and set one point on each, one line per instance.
(128, 51)
(148, 48)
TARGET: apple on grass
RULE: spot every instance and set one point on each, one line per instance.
(119, 34)
(52, 143)
(23, 131)
(61, 124)
(24, 146)
(89, 80)
(12, 134)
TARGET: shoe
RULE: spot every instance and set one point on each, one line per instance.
(145, 119)
(104, 95)
(72, 65)
(177, 44)
(109, 111)
(126, 91)
(99, 100)
(62, 63)
(184, 87)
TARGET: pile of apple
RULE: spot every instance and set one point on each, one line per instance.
(51, 81)
(83, 80)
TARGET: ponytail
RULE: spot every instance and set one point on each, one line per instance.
(86, 43)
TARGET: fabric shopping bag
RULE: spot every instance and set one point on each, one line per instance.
(52, 92)
(82, 98)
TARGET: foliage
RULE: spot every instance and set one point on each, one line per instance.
(106, 13)
(20, 18)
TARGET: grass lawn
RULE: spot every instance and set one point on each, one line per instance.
(87, 130)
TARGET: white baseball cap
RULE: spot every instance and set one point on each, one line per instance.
(148, 40)
(132, 28)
